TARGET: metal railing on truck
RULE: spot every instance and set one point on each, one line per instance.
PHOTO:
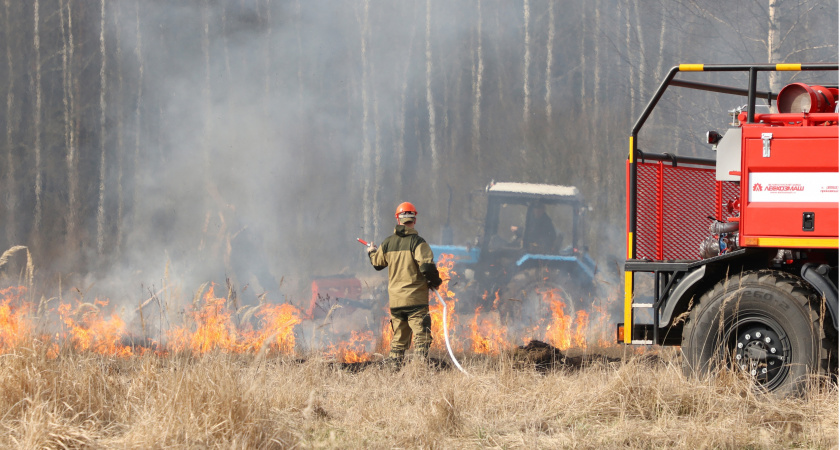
(668, 256)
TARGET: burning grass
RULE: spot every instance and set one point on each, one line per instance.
(213, 322)
(244, 401)
(219, 374)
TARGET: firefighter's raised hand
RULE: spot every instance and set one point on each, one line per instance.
(371, 248)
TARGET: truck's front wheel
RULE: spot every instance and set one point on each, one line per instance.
(763, 323)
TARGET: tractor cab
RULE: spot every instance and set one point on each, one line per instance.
(527, 221)
(526, 226)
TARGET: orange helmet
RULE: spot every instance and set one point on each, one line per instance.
(406, 212)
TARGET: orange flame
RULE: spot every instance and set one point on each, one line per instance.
(444, 265)
(581, 324)
(14, 326)
(88, 330)
(212, 324)
(558, 332)
(214, 329)
(385, 335)
(487, 337)
(277, 332)
(355, 349)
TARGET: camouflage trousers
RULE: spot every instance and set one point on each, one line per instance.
(408, 320)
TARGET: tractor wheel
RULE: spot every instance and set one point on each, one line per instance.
(526, 302)
(763, 323)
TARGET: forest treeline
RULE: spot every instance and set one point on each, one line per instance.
(136, 132)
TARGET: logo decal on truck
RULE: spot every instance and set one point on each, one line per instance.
(792, 187)
(785, 188)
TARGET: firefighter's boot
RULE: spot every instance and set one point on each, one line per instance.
(394, 361)
(421, 353)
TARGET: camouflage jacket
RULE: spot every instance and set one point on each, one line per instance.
(411, 267)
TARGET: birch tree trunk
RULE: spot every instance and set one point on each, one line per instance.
(367, 198)
(549, 50)
(11, 200)
(660, 64)
(526, 89)
(641, 50)
(401, 119)
(118, 225)
(67, 93)
(594, 126)
(630, 53)
(478, 75)
(430, 101)
(596, 72)
(100, 209)
(204, 138)
(774, 54)
(138, 107)
(583, 103)
(377, 161)
(36, 229)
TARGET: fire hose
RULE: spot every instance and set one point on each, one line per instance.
(446, 334)
(445, 329)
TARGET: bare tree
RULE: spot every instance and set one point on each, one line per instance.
(118, 225)
(640, 41)
(103, 86)
(630, 51)
(69, 128)
(138, 107)
(430, 99)
(11, 168)
(36, 229)
(549, 50)
(526, 88)
(662, 45)
(774, 54)
(583, 68)
(402, 105)
(478, 76)
(367, 198)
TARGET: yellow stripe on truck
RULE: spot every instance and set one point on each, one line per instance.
(628, 294)
(797, 242)
(630, 157)
(691, 67)
(628, 307)
(796, 67)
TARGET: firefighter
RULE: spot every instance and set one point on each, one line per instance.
(411, 273)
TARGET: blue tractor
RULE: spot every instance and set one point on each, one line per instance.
(532, 246)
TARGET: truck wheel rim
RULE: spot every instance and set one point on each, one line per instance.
(759, 347)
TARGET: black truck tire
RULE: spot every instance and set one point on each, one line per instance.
(766, 323)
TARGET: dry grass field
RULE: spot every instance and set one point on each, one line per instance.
(223, 400)
(72, 375)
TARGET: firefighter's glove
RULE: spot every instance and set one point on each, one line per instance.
(371, 248)
(434, 284)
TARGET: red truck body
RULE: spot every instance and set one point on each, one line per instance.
(758, 224)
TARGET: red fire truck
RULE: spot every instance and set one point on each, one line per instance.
(741, 251)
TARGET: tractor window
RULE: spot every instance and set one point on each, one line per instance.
(511, 226)
(562, 216)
